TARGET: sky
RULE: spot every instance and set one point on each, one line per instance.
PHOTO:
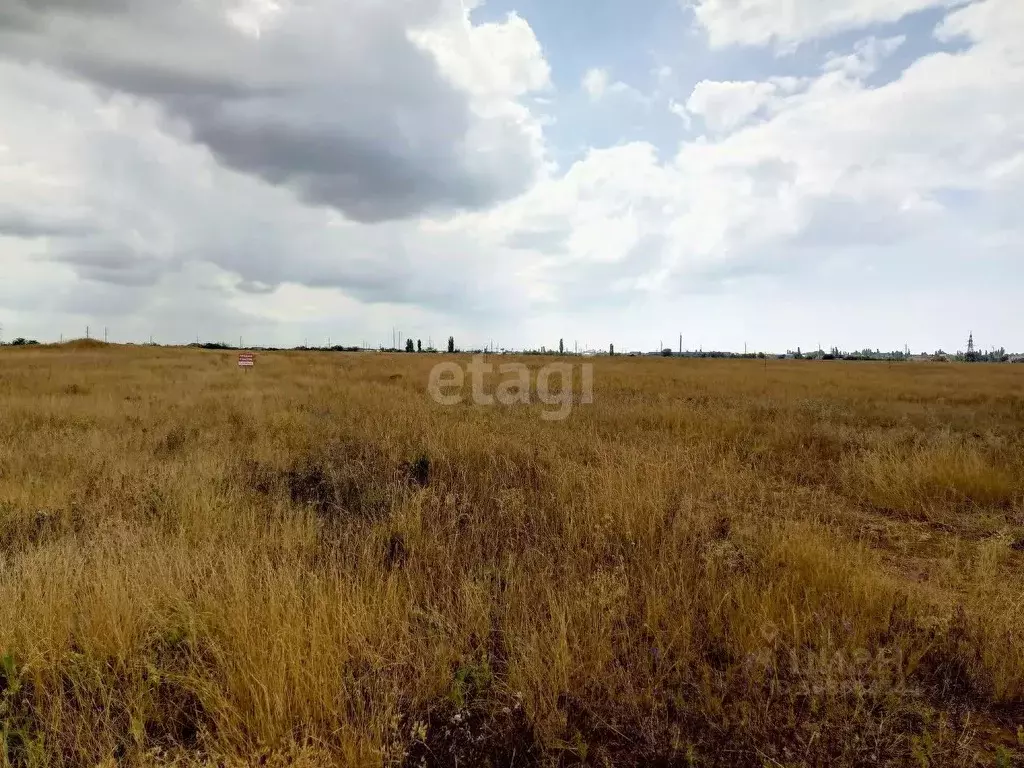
(760, 174)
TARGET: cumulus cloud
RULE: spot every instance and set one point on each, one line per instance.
(597, 84)
(866, 57)
(264, 181)
(832, 165)
(790, 22)
(725, 106)
(156, 204)
(297, 105)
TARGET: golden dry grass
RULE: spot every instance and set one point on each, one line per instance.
(717, 563)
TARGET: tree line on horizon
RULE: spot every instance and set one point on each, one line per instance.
(999, 355)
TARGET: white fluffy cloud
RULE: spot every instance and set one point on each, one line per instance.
(833, 165)
(595, 82)
(598, 84)
(284, 191)
(725, 106)
(789, 22)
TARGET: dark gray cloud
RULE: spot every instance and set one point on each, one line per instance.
(114, 264)
(31, 226)
(111, 260)
(87, 6)
(255, 286)
(135, 278)
(332, 100)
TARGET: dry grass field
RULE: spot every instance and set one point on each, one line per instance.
(718, 563)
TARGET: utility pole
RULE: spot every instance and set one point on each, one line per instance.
(680, 345)
(87, 331)
(104, 334)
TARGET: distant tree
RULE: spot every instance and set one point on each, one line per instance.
(561, 347)
(799, 355)
(666, 352)
(23, 342)
(419, 345)
(611, 350)
(409, 346)
(451, 344)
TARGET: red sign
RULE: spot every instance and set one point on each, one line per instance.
(246, 360)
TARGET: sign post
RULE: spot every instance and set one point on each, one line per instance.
(246, 360)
